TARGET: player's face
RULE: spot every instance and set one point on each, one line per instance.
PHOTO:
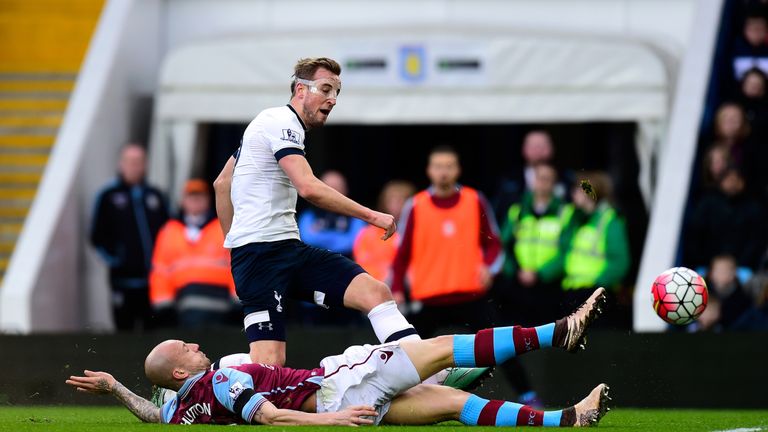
(191, 358)
(319, 97)
(443, 170)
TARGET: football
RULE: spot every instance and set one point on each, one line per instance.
(679, 295)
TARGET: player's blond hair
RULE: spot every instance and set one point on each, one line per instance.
(305, 69)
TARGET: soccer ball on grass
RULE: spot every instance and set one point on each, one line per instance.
(679, 295)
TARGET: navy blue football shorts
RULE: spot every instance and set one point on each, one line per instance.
(265, 273)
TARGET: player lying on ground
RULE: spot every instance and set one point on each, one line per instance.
(364, 385)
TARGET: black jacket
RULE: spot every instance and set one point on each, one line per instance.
(125, 223)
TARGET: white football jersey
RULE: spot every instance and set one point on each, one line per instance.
(263, 196)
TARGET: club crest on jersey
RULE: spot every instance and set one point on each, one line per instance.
(291, 135)
(235, 389)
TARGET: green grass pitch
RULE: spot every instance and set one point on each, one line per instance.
(73, 419)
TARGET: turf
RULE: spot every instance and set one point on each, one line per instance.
(619, 419)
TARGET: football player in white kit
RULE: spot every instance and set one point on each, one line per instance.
(256, 197)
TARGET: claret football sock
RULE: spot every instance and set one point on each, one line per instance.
(482, 412)
(496, 345)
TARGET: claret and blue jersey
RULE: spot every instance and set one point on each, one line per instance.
(234, 395)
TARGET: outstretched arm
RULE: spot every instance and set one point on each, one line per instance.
(320, 194)
(104, 383)
(222, 187)
(268, 414)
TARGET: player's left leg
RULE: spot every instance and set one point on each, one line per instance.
(333, 280)
(428, 404)
(496, 345)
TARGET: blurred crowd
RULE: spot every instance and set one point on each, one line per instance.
(551, 244)
(527, 255)
(726, 239)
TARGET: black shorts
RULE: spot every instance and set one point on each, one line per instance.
(265, 272)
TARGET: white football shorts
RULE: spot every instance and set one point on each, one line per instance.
(366, 375)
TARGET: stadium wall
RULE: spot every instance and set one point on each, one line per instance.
(673, 370)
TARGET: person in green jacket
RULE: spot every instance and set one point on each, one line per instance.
(532, 240)
(597, 252)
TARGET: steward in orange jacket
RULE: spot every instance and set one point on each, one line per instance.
(190, 275)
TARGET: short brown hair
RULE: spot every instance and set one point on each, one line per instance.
(305, 68)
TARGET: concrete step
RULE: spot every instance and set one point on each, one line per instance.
(19, 178)
(38, 160)
(20, 104)
(35, 85)
(35, 120)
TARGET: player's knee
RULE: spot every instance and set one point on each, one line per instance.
(365, 293)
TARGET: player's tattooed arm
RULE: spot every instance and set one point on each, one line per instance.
(145, 410)
(104, 383)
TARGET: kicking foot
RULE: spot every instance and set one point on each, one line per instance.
(592, 408)
(466, 379)
(571, 331)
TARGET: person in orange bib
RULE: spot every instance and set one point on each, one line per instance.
(190, 281)
(450, 250)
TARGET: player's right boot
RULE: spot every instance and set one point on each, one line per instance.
(571, 331)
(464, 378)
(592, 408)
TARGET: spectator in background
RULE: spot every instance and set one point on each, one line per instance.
(373, 254)
(190, 280)
(716, 161)
(732, 130)
(751, 97)
(728, 302)
(532, 241)
(751, 49)
(128, 215)
(451, 250)
(597, 251)
(537, 148)
(328, 230)
(726, 221)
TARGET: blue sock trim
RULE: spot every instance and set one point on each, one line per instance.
(552, 418)
(471, 411)
(507, 415)
(464, 350)
(545, 334)
(503, 344)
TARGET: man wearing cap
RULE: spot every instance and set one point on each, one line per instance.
(190, 279)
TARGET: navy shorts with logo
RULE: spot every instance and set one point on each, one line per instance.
(266, 272)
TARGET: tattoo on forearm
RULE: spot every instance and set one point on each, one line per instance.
(140, 407)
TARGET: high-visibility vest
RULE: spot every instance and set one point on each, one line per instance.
(537, 240)
(446, 256)
(585, 259)
(178, 262)
(374, 254)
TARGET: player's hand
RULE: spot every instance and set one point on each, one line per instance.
(385, 222)
(93, 382)
(354, 416)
